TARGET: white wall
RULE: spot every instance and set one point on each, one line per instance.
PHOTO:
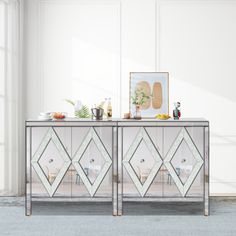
(73, 45)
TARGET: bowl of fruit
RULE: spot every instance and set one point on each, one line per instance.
(59, 115)
(163, 116)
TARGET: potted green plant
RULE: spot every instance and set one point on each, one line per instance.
(81, 111)
(139, 99)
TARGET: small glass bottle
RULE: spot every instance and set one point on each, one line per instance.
(109, 109)
(101, 105)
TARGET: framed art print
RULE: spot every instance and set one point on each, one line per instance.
(154, 86)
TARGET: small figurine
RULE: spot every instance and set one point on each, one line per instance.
(176, 111)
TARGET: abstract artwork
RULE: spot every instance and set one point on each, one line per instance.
(155, 85)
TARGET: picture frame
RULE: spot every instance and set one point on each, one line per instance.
(156, 86)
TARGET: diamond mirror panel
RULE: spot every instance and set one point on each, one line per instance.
(51, 161)
(140, 171)
(183, 161)
(92, 161)
(142, 162)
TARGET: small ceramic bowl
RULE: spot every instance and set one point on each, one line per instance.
(45, 114)
(126, 115)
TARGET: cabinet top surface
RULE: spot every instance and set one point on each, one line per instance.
(118, 121)
(73, 119)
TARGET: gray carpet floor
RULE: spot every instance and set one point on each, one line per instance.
(70, 219)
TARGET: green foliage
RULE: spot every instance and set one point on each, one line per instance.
(84, 112)
(70, 102)
(139, 97)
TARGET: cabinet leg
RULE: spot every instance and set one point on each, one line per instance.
(206, 173)
(120, 172)
(28, 205)
(28, 171)
(114, 171)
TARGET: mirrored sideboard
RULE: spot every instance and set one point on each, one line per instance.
(117, 161)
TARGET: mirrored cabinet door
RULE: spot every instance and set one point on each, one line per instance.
(142, 162)
(92, 162)
(183, 161)
(51, 160)
(71, 161)
(163, 161)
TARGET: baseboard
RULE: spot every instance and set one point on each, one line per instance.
(223, 195)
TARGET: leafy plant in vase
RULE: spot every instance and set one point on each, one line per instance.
(81, 111)
(139, 99)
